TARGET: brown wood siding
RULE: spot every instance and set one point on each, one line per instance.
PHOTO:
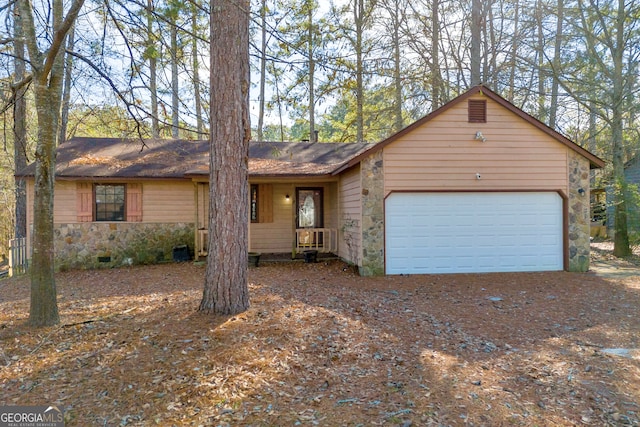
(275, 236)
(168, 201)
(331, 205)
(351, 210)
(443, 155)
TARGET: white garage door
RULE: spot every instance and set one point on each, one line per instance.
(473, 232)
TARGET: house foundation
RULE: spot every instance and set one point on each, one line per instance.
(98, 245)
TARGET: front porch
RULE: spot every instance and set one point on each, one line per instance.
(285, 218)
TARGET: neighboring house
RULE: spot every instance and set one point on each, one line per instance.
(476, 186)
(632, 176)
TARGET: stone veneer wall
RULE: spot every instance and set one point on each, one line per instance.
(372, 176)
(96, 244)
(579, 213)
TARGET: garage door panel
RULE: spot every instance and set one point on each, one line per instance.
(473, 232)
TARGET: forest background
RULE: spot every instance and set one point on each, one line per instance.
(357, 70)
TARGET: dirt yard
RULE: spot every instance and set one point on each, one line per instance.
(321, 346)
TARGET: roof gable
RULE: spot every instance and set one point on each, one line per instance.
(594, 161)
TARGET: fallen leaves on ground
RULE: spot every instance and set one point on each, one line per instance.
(322, 346)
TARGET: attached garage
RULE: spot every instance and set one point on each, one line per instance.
(464, 232)
(477, 185)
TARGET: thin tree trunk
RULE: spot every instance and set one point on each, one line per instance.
(312, 67)
(488, 40)
(175, 86)
(225, 289)
(436, 75)
(476, 25)
(153, 66)
(358, 15)
(540, 54)
(557, 50)
(20, 129)
(514, 52)
(621, 246)
(66, 91)
(263, 67)
(196, 74)
(397, 72)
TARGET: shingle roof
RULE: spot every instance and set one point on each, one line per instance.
(118, 158)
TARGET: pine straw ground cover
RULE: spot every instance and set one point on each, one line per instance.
(322, 346)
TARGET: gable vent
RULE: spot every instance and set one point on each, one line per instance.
(477, 111)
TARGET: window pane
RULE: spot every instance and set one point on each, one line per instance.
(254, 203)
(110, 202)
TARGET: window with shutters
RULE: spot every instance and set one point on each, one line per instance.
(477, 111)
(109, 202)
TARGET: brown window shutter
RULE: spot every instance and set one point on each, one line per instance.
(134, 202)
(477, 111)
(265, 203)
(84, 201)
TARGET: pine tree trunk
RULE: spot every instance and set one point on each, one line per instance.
(557, 51)
(196, 74)
(153, 65)
(476, 26)
(436, 73)
(621, 246)
(542, 112)
(263, 67)
(225, 289)
(358, 15)
(20, 130)
(397, 72)
(175, 96)
(312, 68)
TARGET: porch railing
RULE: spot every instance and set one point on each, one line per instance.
(203, 242)
(320, 239)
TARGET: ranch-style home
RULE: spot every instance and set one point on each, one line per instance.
(476, 186)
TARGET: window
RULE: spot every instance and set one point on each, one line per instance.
(310, 214)
(477, 111)
(109, 202)
(254, 203)
(310, 209)
(261, 203)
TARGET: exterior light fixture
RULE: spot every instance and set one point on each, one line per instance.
(480, 137)
(286, 197)
(581, 191)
